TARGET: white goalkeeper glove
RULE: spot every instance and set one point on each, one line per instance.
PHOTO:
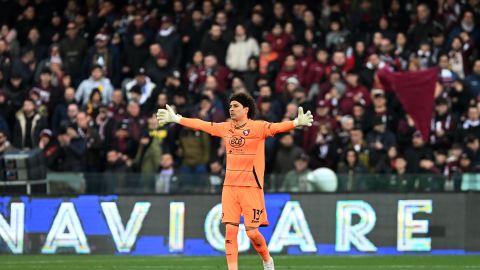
(303, 119)
(168, 115)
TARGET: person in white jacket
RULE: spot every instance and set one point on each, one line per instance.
(145, 83)
(240, 49)
(96, 80)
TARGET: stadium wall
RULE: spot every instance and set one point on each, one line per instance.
(323, 224)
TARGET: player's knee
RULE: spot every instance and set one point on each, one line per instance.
(231, 233)
(252, 233)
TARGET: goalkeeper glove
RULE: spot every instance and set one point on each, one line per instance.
(303, 119)
(168, 115)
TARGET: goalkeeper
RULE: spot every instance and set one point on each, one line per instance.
(245, 148)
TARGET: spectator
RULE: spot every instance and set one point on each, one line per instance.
(458, 56)
(355, 92)
(34, 44)
(139, 24)
(256, 26)
(268, 61)
(4, 127)
(122, 141)
(221, 18)
(5, 145)
(216, 176)
(473, 80)
(379, 107)
(380, 140)
(166, 174)
(96, 80)
(54, 63)
(193, 35)
(251, 75)
(296, 180)
(60, 111)
(192, 74)
(73, 150)
(213, 68)
(49, 94)
(145, 84)
(16, 90)
(117, 164)
(100, 55)
(324, 150)
(50, 148)
(446, 76)
(150, 149)
(351, 170)
(360, 146)
(213, 43)
(322, 116)
(424, 25)
(9, 35)
(24, 66)
(336, 35)
(471, 125)
(158, 70)
(194, 147)
(169, 40)
(135, 54)
(473, 151)
(419, 155)
(279, 40)
(240, 49)
(301, 57)
(443, 126)
(467, 25)
(5, 58)
(286, 152)
(316, 71)
(117, 106)
(400, 180)
(93, 145)
(73, 48)
(289, 70)
(28, 125)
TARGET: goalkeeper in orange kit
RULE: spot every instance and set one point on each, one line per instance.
(242, 190)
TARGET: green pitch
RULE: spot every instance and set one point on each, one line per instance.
(246, 262)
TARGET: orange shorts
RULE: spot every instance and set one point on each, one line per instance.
(249, 201)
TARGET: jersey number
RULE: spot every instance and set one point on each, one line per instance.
(257, 213)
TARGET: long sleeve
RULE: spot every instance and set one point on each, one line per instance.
(79, 93)
(214, 129)
(273, 128)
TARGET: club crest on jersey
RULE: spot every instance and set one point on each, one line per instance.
(246, 132)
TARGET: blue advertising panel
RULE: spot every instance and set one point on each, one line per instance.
(323, 224)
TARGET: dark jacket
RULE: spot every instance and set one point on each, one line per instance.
(19, 133)
(73, 53)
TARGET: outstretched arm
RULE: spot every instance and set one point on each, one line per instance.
(168, 115)
(303, 119)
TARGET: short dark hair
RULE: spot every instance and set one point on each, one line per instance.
(247, 101)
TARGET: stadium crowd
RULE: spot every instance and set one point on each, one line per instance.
(81, 80)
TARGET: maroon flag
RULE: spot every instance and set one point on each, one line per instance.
(416, 92)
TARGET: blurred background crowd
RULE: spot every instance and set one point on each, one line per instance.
(81, 80)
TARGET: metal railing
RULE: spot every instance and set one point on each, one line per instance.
(135, 183)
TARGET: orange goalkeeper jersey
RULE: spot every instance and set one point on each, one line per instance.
(245, 147)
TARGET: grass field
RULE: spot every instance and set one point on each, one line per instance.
(246, 262)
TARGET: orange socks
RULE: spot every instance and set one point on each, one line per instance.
(258, 242)
(231, 246)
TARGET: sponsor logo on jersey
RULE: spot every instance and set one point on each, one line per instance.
(237, 141)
